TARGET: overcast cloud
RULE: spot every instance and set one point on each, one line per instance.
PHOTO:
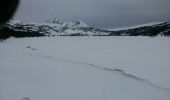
(97, 13)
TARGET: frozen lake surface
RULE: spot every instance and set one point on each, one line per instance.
(85, 68)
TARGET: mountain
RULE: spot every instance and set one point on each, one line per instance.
(68, 24)
(162, 29)
(55, 27)
(135, 26)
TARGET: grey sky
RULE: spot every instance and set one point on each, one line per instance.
(97, 13)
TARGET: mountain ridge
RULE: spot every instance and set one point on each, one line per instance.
(55, 27)
(135, 26)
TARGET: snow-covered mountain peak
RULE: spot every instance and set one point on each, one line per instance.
(80, 23)
(58, 22)
(55, 21)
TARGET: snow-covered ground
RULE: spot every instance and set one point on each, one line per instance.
(85, 68)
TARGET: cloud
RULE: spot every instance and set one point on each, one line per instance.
(99, 13)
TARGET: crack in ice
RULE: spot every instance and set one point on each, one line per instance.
(120, 71)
